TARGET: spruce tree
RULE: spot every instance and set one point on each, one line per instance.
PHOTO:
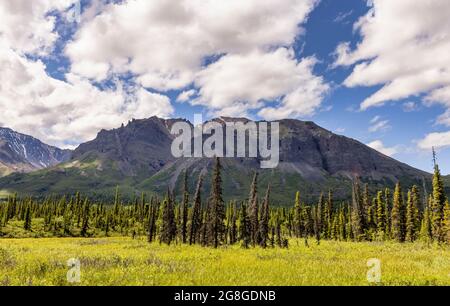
(167, 224)
(387, 212)
(298, 220)
(216, 218)
(196, 216)
(329, 214)
(85, 218)
(264, 221)
(244, 227)
(357, 215)
(253, 212)
(381, 217)
(398, 215)
(410, 222)
(184, 210)
(27, 223)
(233, 226)
(437, 208)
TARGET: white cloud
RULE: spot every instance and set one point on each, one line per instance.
(237, 83)
(377, 124)
(26, 27)
(380, 147)
(405, 47)
(185, 96)
(57, 112)
(160, 44)
(436, 140)
(167, 42)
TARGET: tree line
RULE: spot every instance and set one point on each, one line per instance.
(401, 215)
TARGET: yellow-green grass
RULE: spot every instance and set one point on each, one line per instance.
(123, 261)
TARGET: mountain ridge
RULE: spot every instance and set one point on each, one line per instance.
(137, 158)
(24, 153)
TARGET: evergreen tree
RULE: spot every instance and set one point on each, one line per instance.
(184, 210)
(357, 214)
(426, 233)
(329, 214)
(216, 222)
(244, 227)
(167, 227)
(233, 226)
(27, 223)
(85, 218)
(398, 215)
(298, 220)
(410, 222)
(381, 217)
(387, 212)
(437, 208)
(196, 216)
(253, 212)
(264, 222)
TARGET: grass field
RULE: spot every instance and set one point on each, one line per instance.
(123, 261)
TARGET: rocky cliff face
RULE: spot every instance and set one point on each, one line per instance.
(138, 158)
(23, 153)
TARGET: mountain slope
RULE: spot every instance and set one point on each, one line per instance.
(138, 158)
(23, 153)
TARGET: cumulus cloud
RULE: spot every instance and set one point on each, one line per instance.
(404, 47)
(167, 42)
(197, 47)
(380, 147)
(238, 83)
(436, 140)
(58, 112)
(26, 25)
(55, 111)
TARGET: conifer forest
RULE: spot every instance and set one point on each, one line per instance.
(401, 218)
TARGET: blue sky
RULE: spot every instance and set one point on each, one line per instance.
(381, 82)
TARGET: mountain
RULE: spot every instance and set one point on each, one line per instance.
(138, 158)
(23, 153)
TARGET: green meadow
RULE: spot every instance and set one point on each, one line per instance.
(125, 261)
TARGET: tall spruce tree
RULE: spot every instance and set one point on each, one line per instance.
(244, 227)
(196, 215)
(264, 221)
(167, 224)
(410, 219)
(357, 214)
(253, 208)
(184, 210)
(298, 220)
(27, 223)
(381, 217)
(85, 218)
(437, 208)
(216, 230)
(398, 215)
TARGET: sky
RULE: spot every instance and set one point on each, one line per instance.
(377, 71)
